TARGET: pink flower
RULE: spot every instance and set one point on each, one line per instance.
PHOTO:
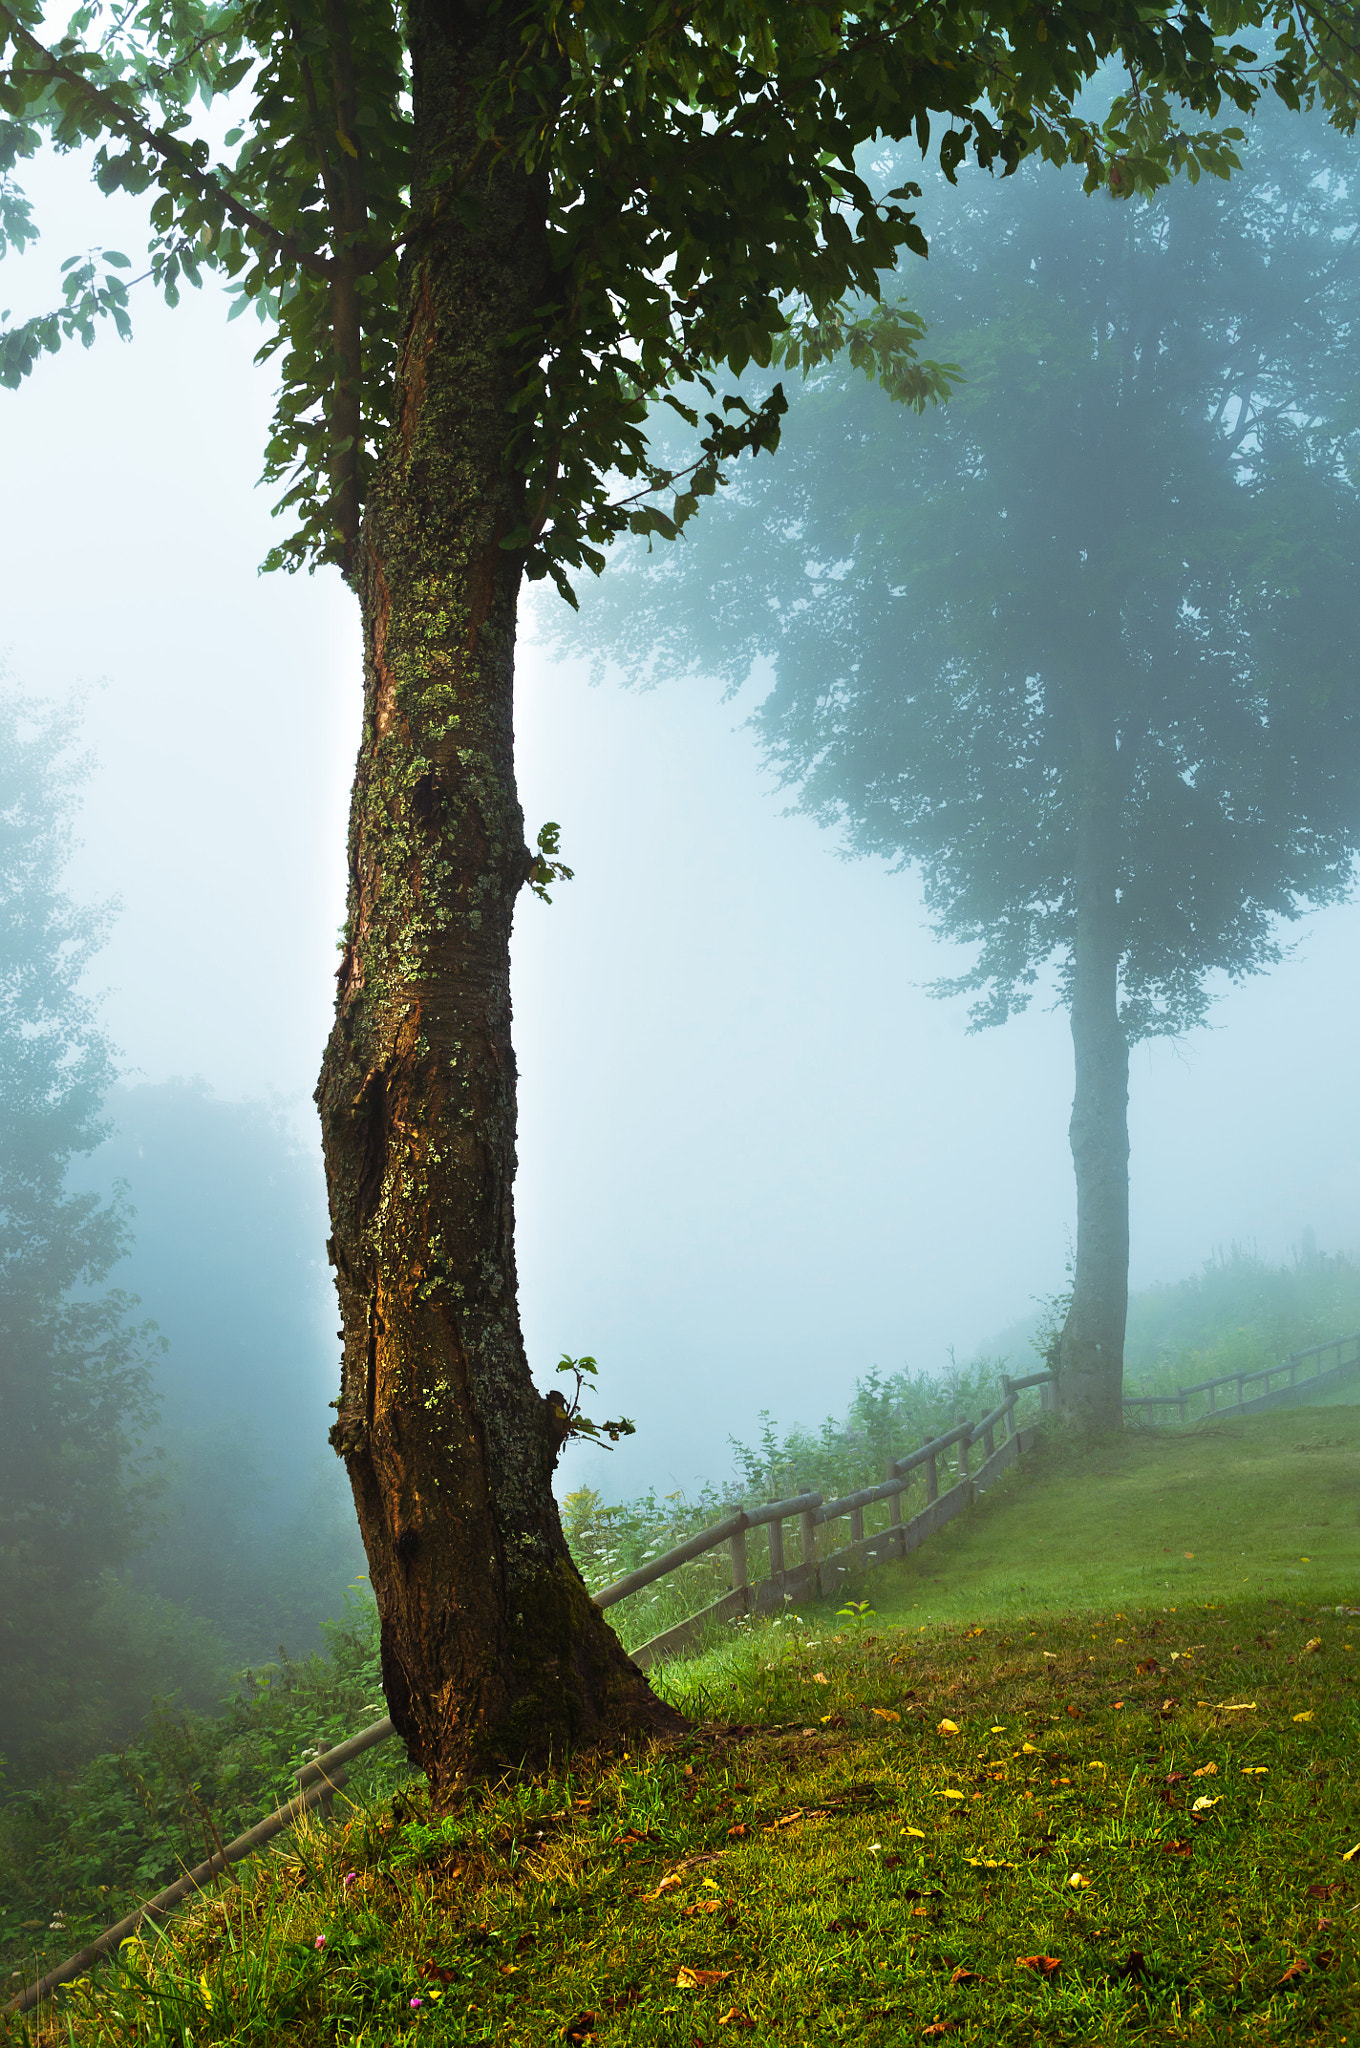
(321, 1941)
(351, 1877)
(416, 2002)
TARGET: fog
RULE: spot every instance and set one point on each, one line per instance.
(756, 1158)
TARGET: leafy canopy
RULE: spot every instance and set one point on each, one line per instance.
(702, 183)
(1142, 498)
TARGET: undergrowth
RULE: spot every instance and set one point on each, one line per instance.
(79, 1851)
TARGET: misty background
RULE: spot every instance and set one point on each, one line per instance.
(757, 1160)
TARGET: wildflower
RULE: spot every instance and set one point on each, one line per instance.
(416, 2003)
(351, 1877)
(321, 1941)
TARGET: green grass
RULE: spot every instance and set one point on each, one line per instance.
(848, 1867)
(1262, 1505)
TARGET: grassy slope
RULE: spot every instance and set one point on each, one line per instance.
(859, 1871)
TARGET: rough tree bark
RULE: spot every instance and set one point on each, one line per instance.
(1091, 1349)
(492, 1651)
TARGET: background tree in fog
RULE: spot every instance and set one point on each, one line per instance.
(484, 236)
(77, 1488)
(256, 1534)
(1080, 646)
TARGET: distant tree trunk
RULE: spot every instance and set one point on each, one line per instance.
(1091, 1350)
(492, 1651)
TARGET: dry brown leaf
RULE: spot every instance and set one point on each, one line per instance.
(1043, 1966)
(738, 1830)
(1298, 1968)
(938, 2028)
(579, 2029)
(1206, 1771)
(735, 2017)
(963, 1975)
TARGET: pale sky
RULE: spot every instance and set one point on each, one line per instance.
(756, 1158)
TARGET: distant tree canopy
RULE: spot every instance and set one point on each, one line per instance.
(1080, 646)
(77, 1490)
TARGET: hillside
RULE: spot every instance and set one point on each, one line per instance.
(1088, 1774)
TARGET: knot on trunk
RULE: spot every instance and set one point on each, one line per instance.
(348, 1434)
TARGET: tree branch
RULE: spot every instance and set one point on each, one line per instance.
(169, 148)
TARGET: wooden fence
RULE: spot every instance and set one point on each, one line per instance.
(812, 1577)
(1342, 1352)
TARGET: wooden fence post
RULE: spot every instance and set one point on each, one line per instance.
(895, 1537)
(932, 1480)
(856, 1527)
(963, 1454)
(738, 1547)
(807, 1543)
(777, 1555)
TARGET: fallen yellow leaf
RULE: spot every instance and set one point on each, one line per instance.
(949, 1795)
(1312, 1646)
(1306, 1715)
(700, 1980)
(948, 1728)
(1349, 1855)
(919, 1833)
(1206, 1771)
(1202, 1804)
(885, 1714)
(1029, 1749)
(1078, 1880)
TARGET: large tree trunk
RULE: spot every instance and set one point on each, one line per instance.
(1091, 1351)
(492, 1651)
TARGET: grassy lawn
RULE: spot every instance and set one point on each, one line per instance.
(1266, 1505)
(1070, 1784)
